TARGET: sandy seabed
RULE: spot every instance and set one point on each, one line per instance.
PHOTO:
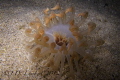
(15, 16)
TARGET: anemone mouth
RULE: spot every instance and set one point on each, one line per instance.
(60, 39)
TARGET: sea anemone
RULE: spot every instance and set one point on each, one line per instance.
(58, 41)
